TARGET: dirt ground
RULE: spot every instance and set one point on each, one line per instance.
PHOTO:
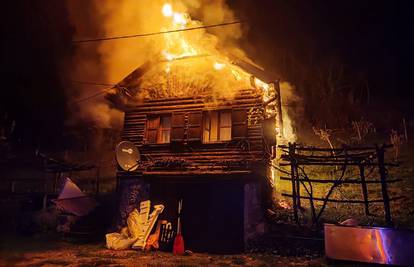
(40, 251)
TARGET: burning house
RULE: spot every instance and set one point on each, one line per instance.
(205, 123)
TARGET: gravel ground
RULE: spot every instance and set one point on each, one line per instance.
(49, 252)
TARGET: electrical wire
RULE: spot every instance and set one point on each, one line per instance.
(91, 96)
(93, 83)
(98, 93)
(108, 85)
(155, 33)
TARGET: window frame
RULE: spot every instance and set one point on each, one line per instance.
(207, 116)
(159, 129)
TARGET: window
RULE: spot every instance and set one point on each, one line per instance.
(158, 129)
(217, 126)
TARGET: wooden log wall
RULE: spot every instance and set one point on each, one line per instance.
(187, 154)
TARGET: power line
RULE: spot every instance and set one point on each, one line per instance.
(93, 83)
(103, 91)
(156, 33)
(91, 96)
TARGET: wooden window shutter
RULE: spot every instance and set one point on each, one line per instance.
(194, 126)
(152, 126)
(239, 123)
(177, 127)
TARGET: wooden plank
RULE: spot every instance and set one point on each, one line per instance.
(331, 157)
(293, 175)
(182, 173)
(179, 105)
(241, 95)
(348, 181)
(339, 163)
(334, 149)
(351, 201)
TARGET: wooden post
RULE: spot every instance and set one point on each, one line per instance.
(297, 186)
(383, 175)
(364, 188)
(292, 148)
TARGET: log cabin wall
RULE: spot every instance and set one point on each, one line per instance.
(187, 154)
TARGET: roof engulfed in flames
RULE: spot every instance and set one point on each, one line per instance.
(195, 63)
(191, 63)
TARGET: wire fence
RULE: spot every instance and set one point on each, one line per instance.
(297, 158)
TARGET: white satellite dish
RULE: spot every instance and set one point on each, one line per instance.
(127, 156)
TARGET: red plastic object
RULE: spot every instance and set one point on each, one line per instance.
(178, 248)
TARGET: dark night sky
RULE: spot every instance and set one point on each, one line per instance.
(372, 38)
(36, 40)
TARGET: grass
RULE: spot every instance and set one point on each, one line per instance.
(402, 210)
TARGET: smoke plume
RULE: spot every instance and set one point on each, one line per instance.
(108, 62)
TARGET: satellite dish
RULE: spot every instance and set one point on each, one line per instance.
(127, 156)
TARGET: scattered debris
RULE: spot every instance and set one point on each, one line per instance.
(72, 200)
(139, 226)
(188, 252)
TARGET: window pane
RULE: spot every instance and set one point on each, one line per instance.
(207, 121)
(225, 134)
(214, 126)
(225, 119)
(206, 127)
(164, 137)
(217, 126)
(206, 135)
(166, 122)
(165, 130)
(159, 129)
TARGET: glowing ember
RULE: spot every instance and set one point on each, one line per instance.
(219, 66)
(284, 204)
